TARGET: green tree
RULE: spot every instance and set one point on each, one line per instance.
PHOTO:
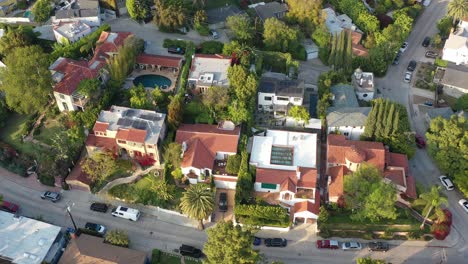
(241, 27)
(200, 18)
(172, 154)
(98, 166)
(447, 143)
(15, 37)
(88, 87)
(121, 65)
(462, 103)
(3, 112)
(139, 97)
(216, 99)
(368, 22)
(369, 260)
(403, 21)
(159, 97)
(233, 164)
(323, 215)
(117, 237)
(306, 12)
(41, 10)
(237, 76)
(299, 113)
(26, 82)
(198, 203)
(431, 200)
(277, 36)
(321, 36)
(175, 110)
(137, 9)
(444, 25)
(244, 185)
(162, 190)
(368, 196)
(238, 112)
(457, 9)
(169, 15)
(230, 244)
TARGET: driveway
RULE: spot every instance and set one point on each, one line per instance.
(154, 38)
(231, 201)
(310, 70)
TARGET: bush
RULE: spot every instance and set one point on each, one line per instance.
(299, 54)
(117, 238)
(47, 179)
(174, 42)
(415, 234)
(323, 215)
(212, 47)
(260, 215)
(325, 232)
(441, 63)
(155, 256)
(203, 30)
(233, 164)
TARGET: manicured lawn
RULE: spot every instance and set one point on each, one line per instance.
(11, 134)
(48, 130)
(123, 169)
(166, 258)
(210, 4)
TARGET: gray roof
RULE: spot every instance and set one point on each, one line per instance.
(445, 112)
(456, 75)
(347, 116)
(280, 87)
(87, 4)
(270, 10)
(83, 8)
(218, 15)
(344, 96)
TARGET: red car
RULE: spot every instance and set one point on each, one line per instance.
(330, 244)
(9, 207)
(420, 142)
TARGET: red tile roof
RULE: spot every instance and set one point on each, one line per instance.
(288, 177)
(397, 176)
(336, 187)
(100, 127)
(411, 187)
(309, 206)
(165, 61)
(210, 140)
(77, 174)
(133, 135)
(358, 49)
(398, 160)
(338, 146)
(355, 154)
(101, 142)
(288, 185)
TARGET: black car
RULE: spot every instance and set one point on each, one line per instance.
(223, 202)
(431, 54)
(396, 61)
(99, 207)
(411, 65)
(190, 251)
(276, 242)
(378, 246)
(426, 41)
(176, 50)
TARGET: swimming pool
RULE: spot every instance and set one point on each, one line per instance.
(153, 80)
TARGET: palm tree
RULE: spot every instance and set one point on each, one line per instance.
(458, 9)
(197, 203)
(431, 200)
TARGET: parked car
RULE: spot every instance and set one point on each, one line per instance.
(404, 46)
(214, 34)
(412, 65)
(446, 182)
(396, 61)
(330, 244)
(408, 76)
(99, 207)
(96, 227)
(9, 207)
(426, 42)
(429, 103)
(51, 196)
(276, 242)
(190, 251)
(257, 241)
(420, 142)
(432, 54)
(464, 204)
(353, 245)
(378, 246)
(176, 50)
(126, 212)
(223, 202)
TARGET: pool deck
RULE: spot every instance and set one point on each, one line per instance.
(138, 72)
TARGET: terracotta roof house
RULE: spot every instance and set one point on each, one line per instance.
(159, 62)
(358, 48)
(87, 249)
(286, 167)
(136, 132)
(345, 156)
(68, 73)
(205, 147)
(208, 70)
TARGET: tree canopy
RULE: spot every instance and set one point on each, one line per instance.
(88, 87)
(447, 143)
(458, 9)
(368, 195)
(197, 202)
(175, 110)
(26, 82)
(137, 9)
(277, 36)
(169, 16)
(431, 200)
(41, 10)
(17, 36)
(172, 154)
(305, 12)
(241, 27)
(216, 99)
(98, 166)
(358, 12)
(462, 103)
(139, 98)
(230, 244)
(299, 113)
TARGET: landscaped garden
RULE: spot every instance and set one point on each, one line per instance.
(160, 257)
(122, 168)
(424, 76)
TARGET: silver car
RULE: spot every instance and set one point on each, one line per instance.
(446, 182)
(352, 245)
(408, 76)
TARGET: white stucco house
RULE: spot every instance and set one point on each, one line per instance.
(363, 83)
(456, 46)
(71, 32)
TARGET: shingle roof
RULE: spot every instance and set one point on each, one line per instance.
(218, 15)
(269, 10)
(344, 96)
(456, 76)
(445, 112)
(347, 116)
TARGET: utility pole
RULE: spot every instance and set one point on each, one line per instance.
(68, 208)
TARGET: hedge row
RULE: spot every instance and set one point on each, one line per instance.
(262, 215)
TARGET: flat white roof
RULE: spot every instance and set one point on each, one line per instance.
(25, 240)
(304, 147)
(210, 64)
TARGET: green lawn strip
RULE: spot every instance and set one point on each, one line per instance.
(11, 134)
(48, 130)
(122, 170)
(373, 227)
(169, 259)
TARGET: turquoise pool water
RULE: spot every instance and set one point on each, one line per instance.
(27, 13)
(153, 80)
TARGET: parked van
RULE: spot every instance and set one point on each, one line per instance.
(127, 213)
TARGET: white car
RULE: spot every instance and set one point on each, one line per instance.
(464, 204)
(404, 47)
(353, 245)
(446, 182)
(408, 76)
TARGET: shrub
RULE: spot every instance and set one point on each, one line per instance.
(117, 238)
(441, 63)
(325, 232)
(155, 256)
(300, 53)
(233, 164)
(47, 179)
(262, 215)
(203, 30)
(212, 47)
(323, 215)
(415, 234)
(174, 42)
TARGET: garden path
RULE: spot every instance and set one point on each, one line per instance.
(132, 178)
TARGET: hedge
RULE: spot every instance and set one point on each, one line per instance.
(175, 42)
(212, 47)
(261, 215)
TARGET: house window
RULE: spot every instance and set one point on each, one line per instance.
(364, 95)
(267, 98)
(282, 98)
(268, 186)
(122, 141)
(149, 146)
(346, 134)
(62, 96)
(297, 99)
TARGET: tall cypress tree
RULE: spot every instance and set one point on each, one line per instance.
(331, 59)
(378, 127)
(348, 53)
(396, 121)
(340, 54)
(389, 122)
(371, 121)
(384, 118)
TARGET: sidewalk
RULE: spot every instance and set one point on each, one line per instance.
(30, 182)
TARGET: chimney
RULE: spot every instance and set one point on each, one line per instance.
(298, 173)
(184, 148)
(329, 180)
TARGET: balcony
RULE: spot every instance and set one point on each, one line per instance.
(304, 194)
(80, 100)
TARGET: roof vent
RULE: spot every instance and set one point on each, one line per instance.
(226, 125)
